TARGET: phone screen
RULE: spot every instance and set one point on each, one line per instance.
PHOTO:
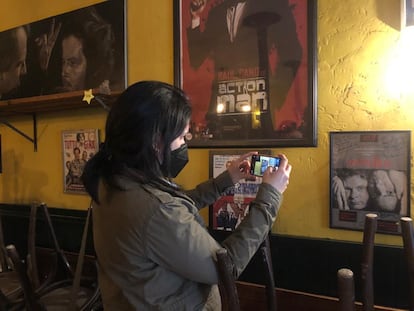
(260, 163)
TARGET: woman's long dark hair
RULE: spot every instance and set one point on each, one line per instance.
(145, 113)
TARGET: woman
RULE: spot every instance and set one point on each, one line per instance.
(153, 249)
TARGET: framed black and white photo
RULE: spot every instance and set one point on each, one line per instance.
(249, 68)
(83, 49)
(369, 173)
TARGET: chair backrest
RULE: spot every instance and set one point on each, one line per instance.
(407, 233)
(73, 293)
(346, 290)
(31, 303)
(227, 282)
(268, 271)
(4, 260)
(367, 279)
(62, 268)
(345, 276)
(11, 292)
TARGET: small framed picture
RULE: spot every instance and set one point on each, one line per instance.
(78, 146)
(369, 173)
(227, 213)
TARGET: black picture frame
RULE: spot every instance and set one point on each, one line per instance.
(370, 173)
(101, 29)
(251, 86)
(407, 13)
(1, 157)
(237, 198)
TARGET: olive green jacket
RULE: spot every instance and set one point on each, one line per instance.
(153, 249)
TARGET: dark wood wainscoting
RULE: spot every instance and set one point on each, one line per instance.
(302, 265)
(252, 297)
(310, 266)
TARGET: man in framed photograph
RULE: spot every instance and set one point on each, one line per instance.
(351, 189)
(13, 53)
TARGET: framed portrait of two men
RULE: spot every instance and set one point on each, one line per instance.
(249, 68)
(370, 173)
(71, 52)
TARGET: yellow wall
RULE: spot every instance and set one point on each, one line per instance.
(357, 51)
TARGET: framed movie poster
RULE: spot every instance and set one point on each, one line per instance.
(78, 146)
(226, 213)
(249, 68)
(75, 51)
(369, 173)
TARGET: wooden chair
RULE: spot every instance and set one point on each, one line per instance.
(31, 303)
(60, 268)
(10, 302)
(268, 271)
(227, 283)
(407, 233)
(11, 293)
(367, 278)
(346, 291)
(71, 293)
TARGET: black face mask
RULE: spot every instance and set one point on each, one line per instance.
(179, 158)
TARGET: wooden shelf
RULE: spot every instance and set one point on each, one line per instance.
(48, 103)
(54, 102)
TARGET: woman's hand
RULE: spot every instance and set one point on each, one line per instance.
(278, 177)
(240, 168)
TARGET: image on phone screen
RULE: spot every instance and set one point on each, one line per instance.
(260, 163)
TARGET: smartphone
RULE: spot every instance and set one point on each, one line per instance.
(260, 163)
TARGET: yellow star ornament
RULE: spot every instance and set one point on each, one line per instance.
(88, 96)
